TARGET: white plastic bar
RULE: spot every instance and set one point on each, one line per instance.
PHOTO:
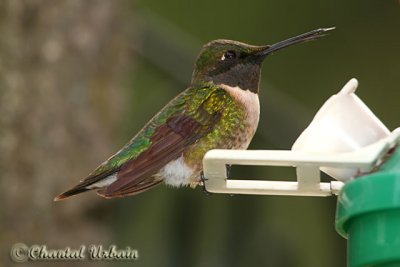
(307, 168)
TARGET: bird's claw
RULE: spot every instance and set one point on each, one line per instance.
(203, 179)
(228, 170)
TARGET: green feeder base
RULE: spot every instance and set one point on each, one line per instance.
(368, 215)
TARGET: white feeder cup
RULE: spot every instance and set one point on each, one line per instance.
(343, 124)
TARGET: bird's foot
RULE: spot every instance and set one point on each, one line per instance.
(203, 179)
(228, 173)
(228, 170)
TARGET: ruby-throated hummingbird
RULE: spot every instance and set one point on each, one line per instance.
(220, 109)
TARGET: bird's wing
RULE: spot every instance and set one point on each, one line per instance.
(168, 143)
(188, 117)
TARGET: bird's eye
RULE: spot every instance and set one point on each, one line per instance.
(230, 54)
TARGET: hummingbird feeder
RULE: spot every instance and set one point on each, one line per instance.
(348, 142)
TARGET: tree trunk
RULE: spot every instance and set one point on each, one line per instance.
(62, 65)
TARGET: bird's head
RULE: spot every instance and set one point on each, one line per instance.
(238, 64)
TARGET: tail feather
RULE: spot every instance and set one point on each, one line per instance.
(85, 185)
(74, 191)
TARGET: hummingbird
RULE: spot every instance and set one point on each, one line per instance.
(220, 109)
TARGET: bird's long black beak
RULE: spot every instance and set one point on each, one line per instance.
(308, 36)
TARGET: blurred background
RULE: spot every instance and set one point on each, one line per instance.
(79, 78)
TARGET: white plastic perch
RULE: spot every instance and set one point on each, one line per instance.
(345, 139)
(307, 168)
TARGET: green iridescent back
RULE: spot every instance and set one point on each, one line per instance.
(210, 98)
